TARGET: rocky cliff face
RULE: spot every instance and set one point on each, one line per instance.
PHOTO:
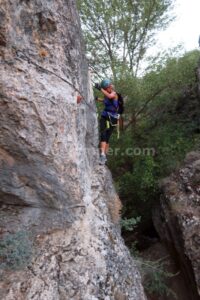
(177, 219)
(59, 211)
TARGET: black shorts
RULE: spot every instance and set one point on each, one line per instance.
(107, 125)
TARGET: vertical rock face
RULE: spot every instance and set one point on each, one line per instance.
(177, 220)
(51, 187)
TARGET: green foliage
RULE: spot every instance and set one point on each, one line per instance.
(141, 180)
(118, 32)
(158, 89)
(154, 274)
(155, 277)
(15, 250)
(130, 224)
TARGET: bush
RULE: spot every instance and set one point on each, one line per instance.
(130, 224)
(155, 276)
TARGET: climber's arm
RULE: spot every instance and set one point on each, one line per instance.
(99, 99)
(111, 96)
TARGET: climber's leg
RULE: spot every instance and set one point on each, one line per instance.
(107, 148)
(106, 129)
(103, 139)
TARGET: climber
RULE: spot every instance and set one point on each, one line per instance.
(109, 116)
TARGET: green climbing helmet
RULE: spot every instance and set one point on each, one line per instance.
(105, 83)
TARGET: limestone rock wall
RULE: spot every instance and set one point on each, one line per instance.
(51, 186)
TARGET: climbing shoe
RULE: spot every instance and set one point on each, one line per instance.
(103, 159)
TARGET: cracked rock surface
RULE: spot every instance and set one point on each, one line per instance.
(177, 219)
(51, 186)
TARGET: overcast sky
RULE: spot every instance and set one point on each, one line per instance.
(186, 28)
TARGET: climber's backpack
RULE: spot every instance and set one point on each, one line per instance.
(121, 104)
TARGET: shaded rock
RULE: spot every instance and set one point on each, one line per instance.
(177, 219)
(2, 28)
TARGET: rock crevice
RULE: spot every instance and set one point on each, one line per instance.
(177, 220)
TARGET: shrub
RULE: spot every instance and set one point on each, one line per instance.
(130, 224)
(155, 276)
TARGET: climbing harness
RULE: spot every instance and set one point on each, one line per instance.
(110, 123)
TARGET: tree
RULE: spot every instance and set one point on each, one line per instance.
(158, 88)
(118, 32)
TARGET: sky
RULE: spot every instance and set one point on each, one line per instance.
(185, 29)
